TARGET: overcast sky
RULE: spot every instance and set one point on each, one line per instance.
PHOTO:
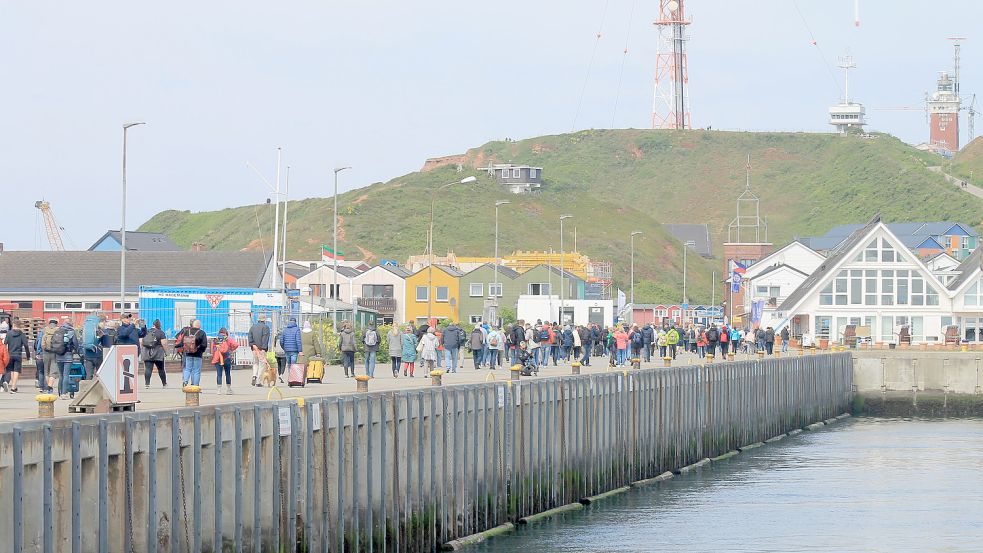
(382, 85)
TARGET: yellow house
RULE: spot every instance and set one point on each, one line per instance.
(433, 293)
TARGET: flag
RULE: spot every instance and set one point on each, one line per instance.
(756, 308)
(329, 253)
(736, 267)
(735, 283)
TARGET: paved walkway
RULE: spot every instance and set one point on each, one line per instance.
(964, 185)
(21, 406)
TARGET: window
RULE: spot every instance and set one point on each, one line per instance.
(73, 305)
(126, 305)
(532, 175)
(495, 289)
(55, 305)
(421, 293)
(93, 305)
(539, 289)
(822, 326)
(972, 296)
(505, 173)
(475, 319)
(887, 252)
(477, 290)
(870, 252)
(24, 304)
(317, 290)
(442, 294)
(826, 295)
(377, 291)
(515, 172)
(762, 290)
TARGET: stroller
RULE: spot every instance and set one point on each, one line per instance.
(528, 362)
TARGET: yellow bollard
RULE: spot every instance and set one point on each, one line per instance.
(362, 383)
(435, 377)
(575, 367)
(192, 395)
(778, 353)
(46, 405)
(709, 358)
(761, 355)
(802, 351)
(730, 356)
(667, 361)
(516, 371)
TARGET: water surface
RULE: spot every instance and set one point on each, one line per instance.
(865, 484)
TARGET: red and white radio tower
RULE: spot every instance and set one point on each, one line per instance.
(670, 108)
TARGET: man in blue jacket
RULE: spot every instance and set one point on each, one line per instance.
(290, 341)
(129, 334)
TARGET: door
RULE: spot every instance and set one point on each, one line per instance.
(596, 315)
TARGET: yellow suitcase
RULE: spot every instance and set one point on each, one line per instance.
(315, 370)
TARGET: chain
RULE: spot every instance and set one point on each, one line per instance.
(127, 479)
(184, 497)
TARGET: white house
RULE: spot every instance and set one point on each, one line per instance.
(870, 279)
(320, 282)
(967, 298)
(531, 308)
(382, 288)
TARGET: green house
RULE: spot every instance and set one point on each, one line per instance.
(478, 286)
(543, 280)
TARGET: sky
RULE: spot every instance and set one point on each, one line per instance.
(381, 85)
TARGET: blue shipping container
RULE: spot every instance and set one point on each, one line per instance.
(234, 309)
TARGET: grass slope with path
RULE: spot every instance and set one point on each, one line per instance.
(612, 182)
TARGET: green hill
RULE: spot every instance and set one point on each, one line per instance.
(968, 163)
(613, 182)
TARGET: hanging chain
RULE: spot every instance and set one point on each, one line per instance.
(184, 497)
(127, 479)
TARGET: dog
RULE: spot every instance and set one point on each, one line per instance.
(268, 376)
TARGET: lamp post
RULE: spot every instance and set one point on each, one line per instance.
(122, 228)
(498, 261)
(433, 199)
(686, 245)
(562, 275)
(631, 238)
(334, 251)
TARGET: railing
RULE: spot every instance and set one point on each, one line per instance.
(382, 305)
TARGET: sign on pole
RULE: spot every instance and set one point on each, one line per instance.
(118, 374)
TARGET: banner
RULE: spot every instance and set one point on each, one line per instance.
(329, 253)
(735, 284)
(756, 308)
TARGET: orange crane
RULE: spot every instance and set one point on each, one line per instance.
(54, 233)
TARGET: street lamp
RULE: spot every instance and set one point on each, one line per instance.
(433, 199)
(631, 238)
(334, 251)
(562, 276)
(122, 230)
(686, 245)
(498, 261)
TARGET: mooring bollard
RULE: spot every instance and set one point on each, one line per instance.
(435, 377)
(709, 358)
(636, 363)
(575, 367)
(802, 351)
(362, 383)
(730, 356)
(964, 347)
(46, 405)
(778, 353)
(192, 395)
(761, 355)
(516, 371)
(812, 350)
(667, 361)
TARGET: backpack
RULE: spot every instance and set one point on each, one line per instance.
(371, 338)
(636, 340)
(46, 338)
(179, 341)
(59, 341)
(4, 356)
(544, 336)
(151, 340)
(91, 333)
(493, 341)
(190, 343)
(712, 335)
(724, 336)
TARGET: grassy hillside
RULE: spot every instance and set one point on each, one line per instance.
(613, 182)
(968, 163)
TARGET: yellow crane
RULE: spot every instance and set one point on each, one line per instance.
(54, 233)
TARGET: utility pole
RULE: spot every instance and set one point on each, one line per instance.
(498, 261)
(631, 238)
(122, 229)
(334, 254)
(563, 285)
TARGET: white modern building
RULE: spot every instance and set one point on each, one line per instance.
(531, 308)
(382, 288)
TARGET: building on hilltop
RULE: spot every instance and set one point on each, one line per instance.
(518, 179)
(135, 242)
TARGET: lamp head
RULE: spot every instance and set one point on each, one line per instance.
(501, 202)
(562, 217)
(468, 180)
(340, 169)
(128, 125)
(636, 233)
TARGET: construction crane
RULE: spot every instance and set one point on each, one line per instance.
(54, 233)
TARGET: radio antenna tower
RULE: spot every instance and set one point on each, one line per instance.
(670, 108)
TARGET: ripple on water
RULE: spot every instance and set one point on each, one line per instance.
(862, 485)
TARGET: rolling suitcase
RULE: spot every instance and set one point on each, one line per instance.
(315, 370)
(296, 374)
(76, 373)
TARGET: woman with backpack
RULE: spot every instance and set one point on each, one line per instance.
(408, 350)
(153, 354)
(496, 345)
(370, 339)
(395, 349)
(428, 349)
(223, 348)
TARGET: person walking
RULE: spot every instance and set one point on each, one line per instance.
(310, 342)
(395, 349)
(292, 344)
(347, 345)
(723, 338)
(648, 337)
(64, 345)
(712, 338)
(636, 341)
(428, 350)
(47, 356)
(408, 353)
(566, 343)
(663, 341)
(701, 343)
(222, 353)
(451, 339)
(496, 346)
(153, 354)
(586, 344)
(194, 342)
(370, 339)
(672, 340)
(17, 349)
(621, 343)
(770, 340)
(476, 343)
(259, 344)
(785, 337)
(280, 356)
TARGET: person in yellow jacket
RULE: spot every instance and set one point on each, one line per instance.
(672, 339)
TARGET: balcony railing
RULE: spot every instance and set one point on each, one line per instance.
(382, 305)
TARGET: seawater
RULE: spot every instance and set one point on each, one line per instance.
(860, 485)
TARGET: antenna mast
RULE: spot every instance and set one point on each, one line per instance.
(670, 107)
